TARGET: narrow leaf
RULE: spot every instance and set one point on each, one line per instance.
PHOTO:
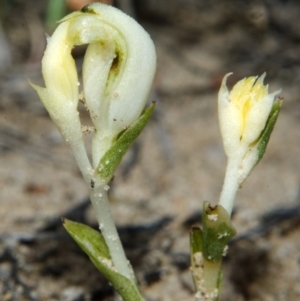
(93, 244)
(87, 237)
(196, 256)
(112, 158)
(196, 240)
(267, 131)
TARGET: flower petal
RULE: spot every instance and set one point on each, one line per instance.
(257, 117)
(58, 66)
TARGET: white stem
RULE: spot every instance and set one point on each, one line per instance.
(100, 202)
(230, 185)
(98, 196)
(100, 145)
(82, 160)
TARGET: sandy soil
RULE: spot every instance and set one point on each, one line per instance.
(176, 164)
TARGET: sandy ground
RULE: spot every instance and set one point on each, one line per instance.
(176, 164)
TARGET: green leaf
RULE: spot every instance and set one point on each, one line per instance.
(267, 131)
(196, 240)
(217, 231)
(83, 234)
(196, 256)
(93, 244)
(112, 158)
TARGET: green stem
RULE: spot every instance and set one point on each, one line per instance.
(55, 11)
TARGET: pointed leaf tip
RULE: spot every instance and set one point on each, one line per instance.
(89, 240)
(93, 244)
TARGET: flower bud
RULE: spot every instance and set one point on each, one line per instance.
(243, 113)
(247, 115)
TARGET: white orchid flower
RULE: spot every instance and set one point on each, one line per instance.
(118, 71)
(247, 115)
(244, 111)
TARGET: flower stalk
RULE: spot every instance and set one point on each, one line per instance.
(247, 115)
(231, 184)
(118, 70)
(99, 198)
